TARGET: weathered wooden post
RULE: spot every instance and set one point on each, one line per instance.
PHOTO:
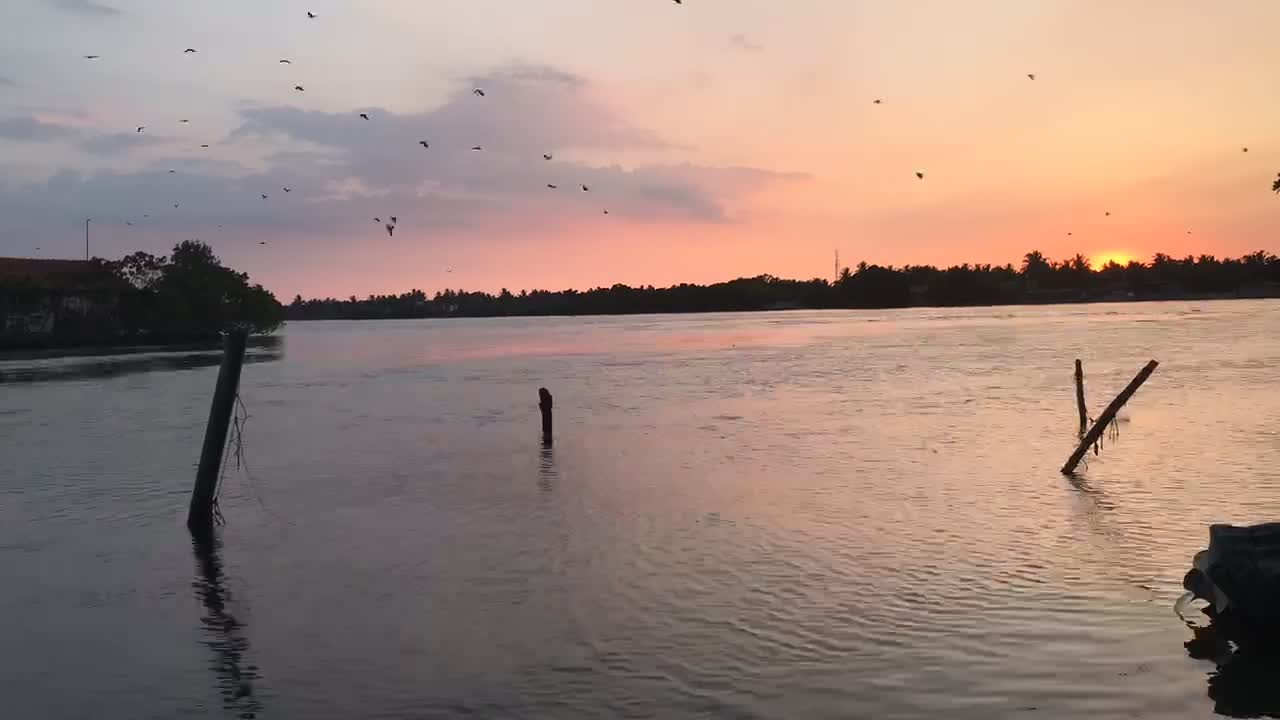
(544, 404)
(1084, 414)
(200, 514)
(1107, 416)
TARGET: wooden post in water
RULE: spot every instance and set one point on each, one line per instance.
(1107, 416)
(544, 404)
(1084, 414)
(200, 514)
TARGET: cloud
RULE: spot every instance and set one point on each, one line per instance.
(117, 143)
(343, 171)
(745, 44)
(86, 7)
(28, 128)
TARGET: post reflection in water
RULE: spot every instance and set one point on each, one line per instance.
(547, 472)
(225, 635)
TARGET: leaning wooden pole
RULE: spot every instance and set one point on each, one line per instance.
(200, 514)
(1084, 413)
(1107, 416)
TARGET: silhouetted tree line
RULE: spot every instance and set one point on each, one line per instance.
(189, 294)
(1038, 280)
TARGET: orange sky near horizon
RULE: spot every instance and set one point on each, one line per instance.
(726, 139)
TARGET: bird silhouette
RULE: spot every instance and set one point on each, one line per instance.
(262, 242)
(920, 175)
(606, 212)
(391, 230)
(877, 101)
(364, 115)
(553, 187)
(172, 172)
(311, 15)
(1244, 149)
(678, 2)
(477, 148)
(394, 220)
(546, 156)
(126, 222)
(1031, 76)
(141, 128)
(188, 50)
(264, 196)
(204, 146)
(184, 122)
(478, 92)
(145, 215)
(286, 62)
(175, 206)
(1108, 213)
(424, 143)
(1188, 232)
(585, 188)
(1068, 234)
(299, 88)
(287, 189)
(92, 57)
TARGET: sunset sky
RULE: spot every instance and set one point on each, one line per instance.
(725, 137)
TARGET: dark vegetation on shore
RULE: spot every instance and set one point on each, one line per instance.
(185, 299)
(1038, 280)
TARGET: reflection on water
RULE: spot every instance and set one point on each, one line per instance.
(547, 473)
(108, 366)
(223, 633)
(1245, 682)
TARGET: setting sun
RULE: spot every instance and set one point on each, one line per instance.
(1100, 260)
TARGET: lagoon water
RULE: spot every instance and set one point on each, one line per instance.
(772, 515)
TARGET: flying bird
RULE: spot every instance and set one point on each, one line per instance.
(424, 143)
(287, 189)
(262, 242)
(299, 88)
(204, 146)
(184, 122)
(553, 187)
(920, 175)
(264, 196)
(1068, 234)
(364, 115)
(141, 128)
(546, 156)
(311, 15)
(286, 62)
(678, 2)
(188, 50)
(172, 172)
(145, 215)
(92, 57)
(1108, 213)
(1031, 76)
(877, 101)
(585, 188)
(175, 206)
(1244, 149)
(377, 220)
(606, 212)
(391, 229)
(478, 92)
(477, 148)
(394, 220)
(126, 222)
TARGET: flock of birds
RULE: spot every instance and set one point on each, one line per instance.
(391, 224)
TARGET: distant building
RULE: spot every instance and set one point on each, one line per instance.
(41, 300)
